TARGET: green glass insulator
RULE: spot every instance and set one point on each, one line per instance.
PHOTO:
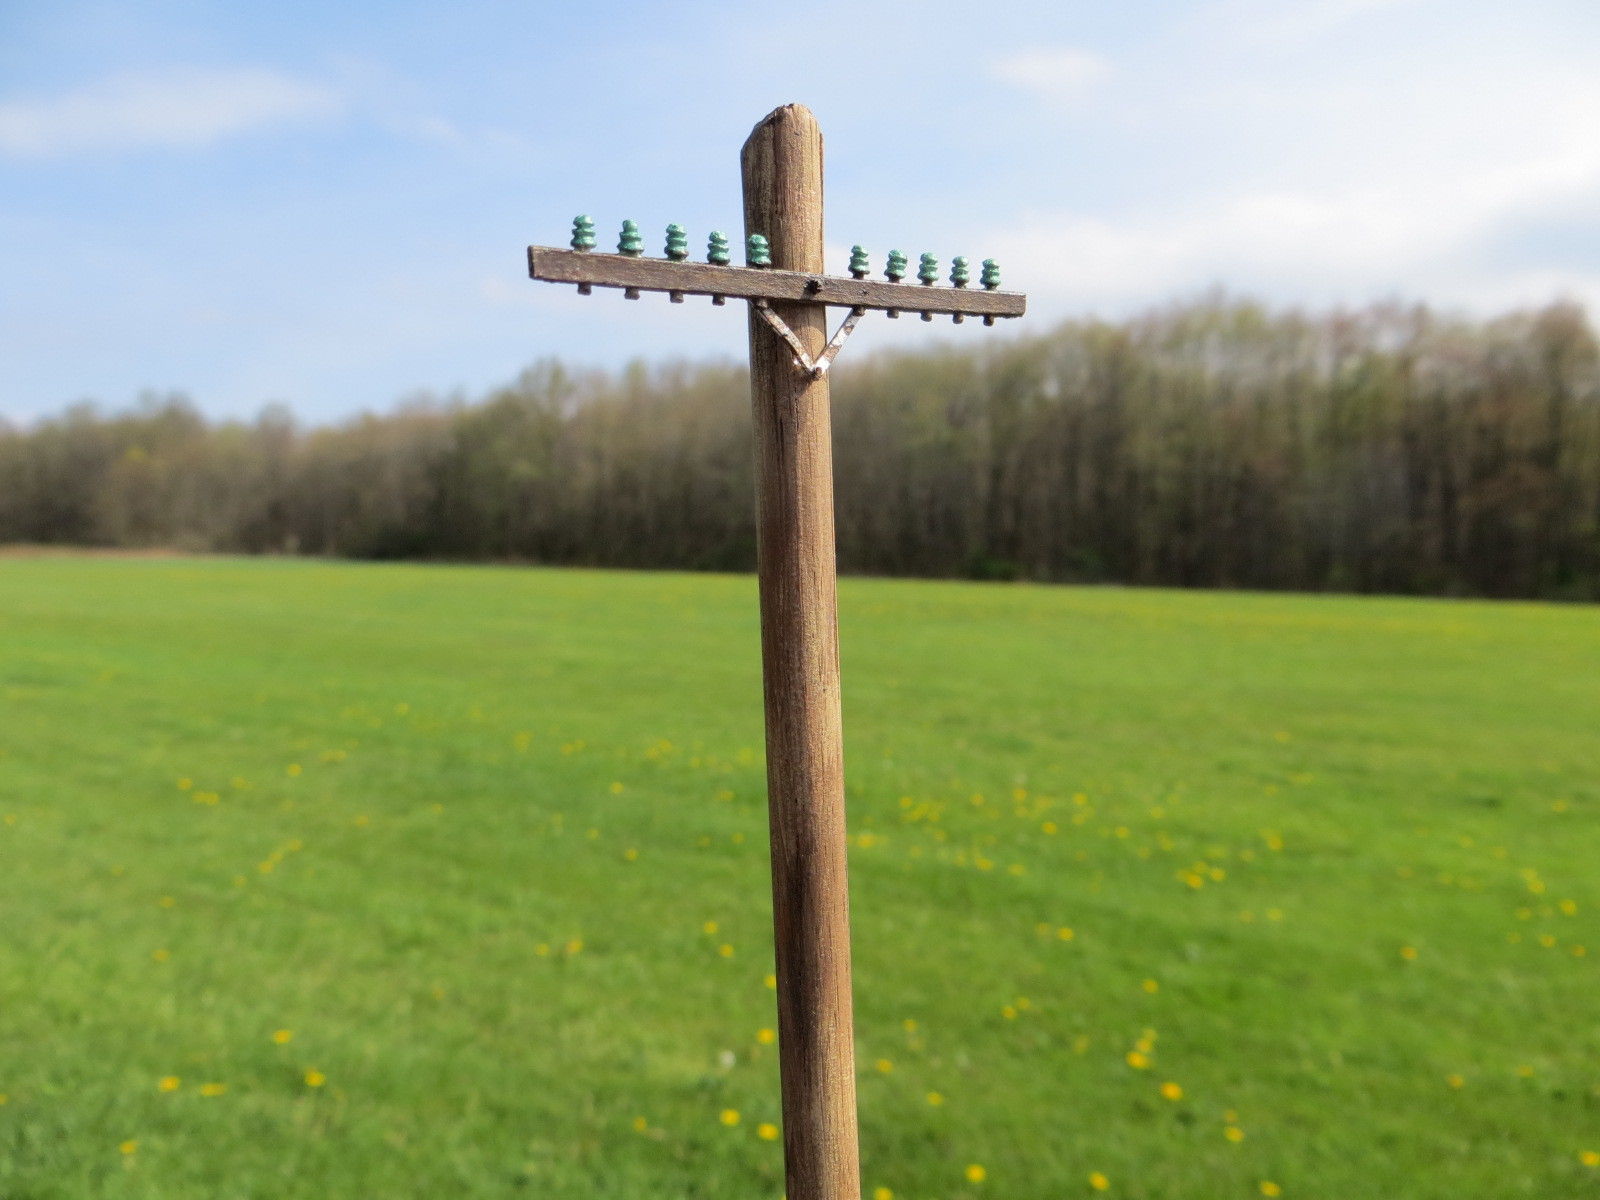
(677, 243)
(631, 242)
(583, 233)
(928, 269)
(896, 270)
(960, 272)
(757, 252)
(717, 250)
(859, 266)
(991, 274)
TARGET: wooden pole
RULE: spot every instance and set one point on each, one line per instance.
(782, 167)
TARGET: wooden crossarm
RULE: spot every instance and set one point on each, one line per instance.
(760, 283)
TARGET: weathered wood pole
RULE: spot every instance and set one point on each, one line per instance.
(782, 166)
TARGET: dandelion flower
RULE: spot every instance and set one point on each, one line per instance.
(1589, 1158)
(976, 1173)
(1234, 1134)
(640, 1124)
(1136, 1060)
(770, 982)
(766, 1036)
(1455, 1081)
(1098, 1181)
(283, 1036)
(882, 1193)
(169, 1083)
(1409, 953)
(726, 950)
(1151, 986)
(730, 1117)
(1171, 1091)
(129, 1146)
(292, 770)
(315, 1078)
(1268, 1188)
(213, 1089)
(935, 1099)
(767, 1131)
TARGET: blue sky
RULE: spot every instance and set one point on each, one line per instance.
(327, 204)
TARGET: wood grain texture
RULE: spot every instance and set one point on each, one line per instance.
(782, 168)
(555, 265)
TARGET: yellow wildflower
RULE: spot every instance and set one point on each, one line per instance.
(766, 1036)
(1171, 1091)
(1098, 1181)
(1136, 1060)
(730, 1117)
(283, 1036)
(1268, 1188)
(1234, 1134)
(129, 1146)
(935, 1099)
(169, 1083)
(767, 1131)
(976, 1173)
(315, 1078)
(1151, 986)
(1589, 1158)
(213, 1089)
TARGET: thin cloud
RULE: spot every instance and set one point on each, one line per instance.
(185, 108)
(1062, 74)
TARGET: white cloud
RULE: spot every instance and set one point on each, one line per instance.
(1062, 75)
(1327, 177)
(183, 108)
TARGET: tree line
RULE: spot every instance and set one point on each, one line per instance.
(1215, 443)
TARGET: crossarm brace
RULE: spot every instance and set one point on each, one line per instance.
(814, 367)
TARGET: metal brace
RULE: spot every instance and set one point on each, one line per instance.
(817, 367)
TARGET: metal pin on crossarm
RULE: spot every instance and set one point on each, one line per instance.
(789, 294)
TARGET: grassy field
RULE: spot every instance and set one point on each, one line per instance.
(391, 881)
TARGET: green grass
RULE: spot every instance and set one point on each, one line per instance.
(461, 830)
